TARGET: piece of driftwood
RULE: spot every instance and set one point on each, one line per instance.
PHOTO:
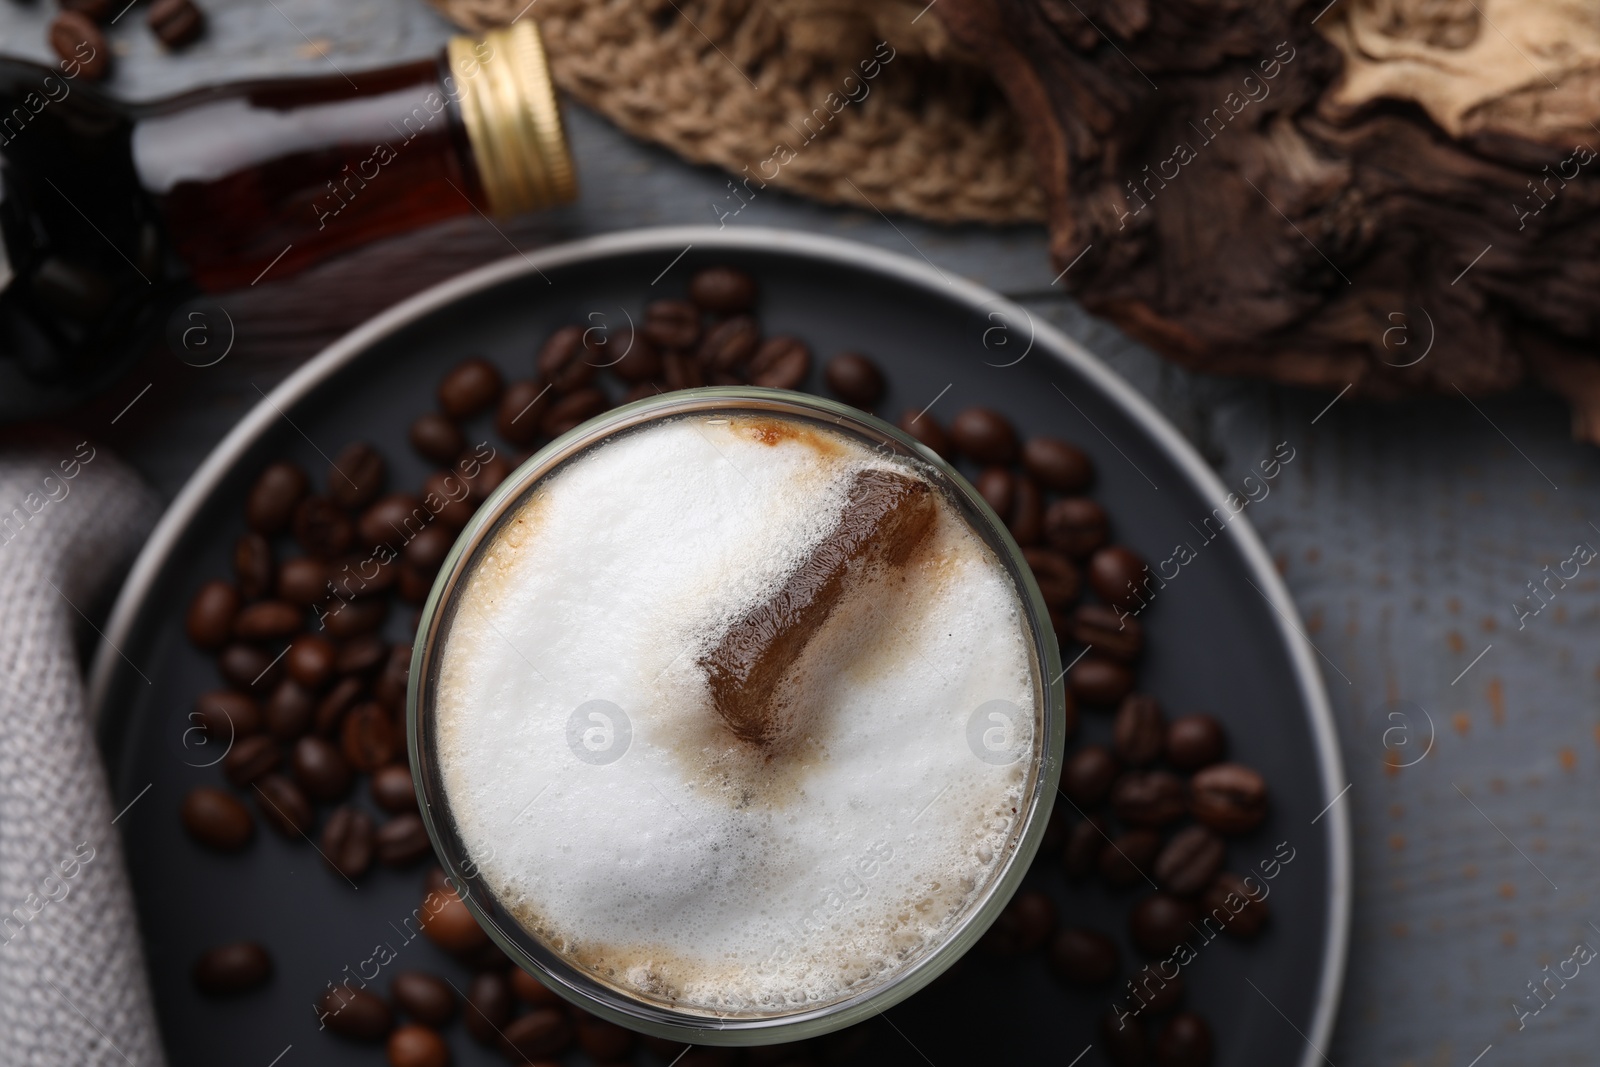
(1397, 195)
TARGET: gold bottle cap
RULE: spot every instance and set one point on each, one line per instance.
(508, 105)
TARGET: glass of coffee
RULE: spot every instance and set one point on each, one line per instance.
(736, 716)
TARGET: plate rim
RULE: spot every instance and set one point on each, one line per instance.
(925, 275)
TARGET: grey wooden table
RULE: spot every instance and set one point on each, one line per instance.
(1407, 533)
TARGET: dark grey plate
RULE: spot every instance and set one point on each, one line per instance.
(1224, 638)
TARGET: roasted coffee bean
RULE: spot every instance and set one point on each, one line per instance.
(998, 487)
(1138, 730)
(573, 410)
(1097, 680)
(1088, 774)
(1147, 798)
(1190, 861)
(249, 667)
(425, 997)
(606, 1042)
(780, 363)
(488, 1007)
(98, 10)
(288, 710)
(1122, 1035)
(496, 469)
(722, 290)
(1185, 1042)
(635, 359)
(211, 614)
(681, 371)
(361, 655)
(331, 710)
(1159, 995)
(1084, 842)
(391, 520)
(1125, 861)
(530, 990)
(437, 438)
(855, 379)
(284, 805)
(355, 1013)
(250, 758)
(392, 789)
(368, 737)
(1120, 578)
(562, 361)
(403, 840)
(353, 618)
(1026, 520)
(217, 819)
(271, 503)
(427, 550)
(521, 408)
(1023, 926)
(984, 436)
(225, 716)
(1160, 922)
(302, 581)
(310, 661)
(1234, 906)
(449, 924)
(268, 620)
(321, 528)
(1228, 797)
(925, 429)
(1195, 741)
(1057, 465)
(347, 842)
(540, 1034)
(1083, 957)
(448, 496)
(321, 769)
(390, 687)
(672, 324)
(729, 345)
(1077, 526)
(417, 1046)
(237, 967)
(357, 475)
(1057, 577)
(252, 565)
(470, 387)
(642, 391)
(175, 22)
(1109, 632)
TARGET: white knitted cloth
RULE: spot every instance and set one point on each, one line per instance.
(73, 989)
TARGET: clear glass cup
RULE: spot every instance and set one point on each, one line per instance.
(624, 1006)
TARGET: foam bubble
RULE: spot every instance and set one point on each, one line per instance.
(694, 869)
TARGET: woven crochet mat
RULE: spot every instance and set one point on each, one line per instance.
(860, 102)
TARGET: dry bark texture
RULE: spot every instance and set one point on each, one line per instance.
(1294, 191)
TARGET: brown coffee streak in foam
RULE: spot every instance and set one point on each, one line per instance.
(888, 515)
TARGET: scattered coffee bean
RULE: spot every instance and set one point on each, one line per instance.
(230, 969)
(1124, 1040)
(1160, 922)
(1120, 578)
(637, 359)
(572, 411)
(925, 430)
(1084, 842)
(271, 503)
(225, 716)
(310, 661)
(1238, 909)
(391, 520)
(1189, 862)
(302, 581)
(1084, 957)
(217, 819)
(390, 686)
(250, 758)
(672, 324)
(984, 435)
(437, 438)
(417, 1046)
(1184, 1042)
(369, 737)
(530, 990)
(1228, 797)
(722, 290)
(252, 565)
(321, 769)
(562, 361)
(284, 805)
(98, 10)
(1160, 995)
(1026, 520)
(321, 528)
(1108, 632)
(1097, 680)
(347, 840)
(332, 709)
(289, 709)
(470, 387)
(268, 620)
(1087, 775)
(355, 1013)
(1058, 579)
(780, 363)
(1126, 860)
(175, 22)
(1077, 526)
(449, 924)
(1023, 926)
(496, 469)
(425, 997)
(356, 617)
(357, 475)
(1195, 741)
(249, 667)
(392, 789)
(521, 409)
(1148, 798)
(540, 1034)
(211, 614)
(998, 487)
(729, 345)
(1138, 730)
(362, 655)
(450, 494)
(605, 1042)
(403, 840)
(855, 379)
(1057, 465)
(681, 370)
(488, 1007)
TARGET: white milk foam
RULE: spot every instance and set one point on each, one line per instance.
(693, 870)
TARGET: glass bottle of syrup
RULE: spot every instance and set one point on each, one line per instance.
(110, 213)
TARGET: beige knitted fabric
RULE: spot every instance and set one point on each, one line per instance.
(862, 102)
(73, 989)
